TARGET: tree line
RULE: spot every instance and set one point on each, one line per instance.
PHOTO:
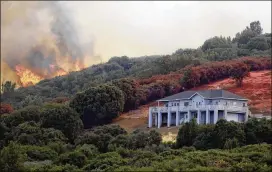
(100, 104)
(52, 139)
(249, 42)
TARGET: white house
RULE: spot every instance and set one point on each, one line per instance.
(207, 106)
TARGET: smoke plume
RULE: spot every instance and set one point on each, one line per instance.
(40, 40)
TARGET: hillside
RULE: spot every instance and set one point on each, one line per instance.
(250, 42)
(256, 87)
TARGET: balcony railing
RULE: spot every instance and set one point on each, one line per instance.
(199, 107)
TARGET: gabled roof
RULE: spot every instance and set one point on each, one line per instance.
(207, 94)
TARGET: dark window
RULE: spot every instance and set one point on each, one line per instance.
(177, 104)
(244, 104)
(186, 103)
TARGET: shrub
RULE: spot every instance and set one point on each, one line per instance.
(38, 153)
(73, 158)
(98, 105)
(5, 108)
(62, 118)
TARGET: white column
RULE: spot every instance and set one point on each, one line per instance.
(225, 114)
(150, 118)
(215, 115)
(207, 116)
(156, 119)
(198, 116)
(169, 118)
(177, 118)
(159, 119)
(188, 115)
(246, 115)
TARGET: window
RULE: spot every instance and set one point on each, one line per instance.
(210, 102)
(216, 103)
(244, 104)
(177, 104)
(186, 103)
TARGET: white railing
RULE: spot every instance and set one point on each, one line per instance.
(199, 107)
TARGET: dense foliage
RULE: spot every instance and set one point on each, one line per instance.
(225, 146)
(249, 42)
(98, 105)
(49, 137)
(225, 135)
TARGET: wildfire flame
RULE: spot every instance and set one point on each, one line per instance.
(28, 77)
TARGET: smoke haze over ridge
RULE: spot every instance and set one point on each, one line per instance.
(39, 35)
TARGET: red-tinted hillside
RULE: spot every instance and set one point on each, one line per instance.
(256, 87)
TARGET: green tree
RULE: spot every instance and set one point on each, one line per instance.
(11, 159)
(29, 113)
(216, 42)
(129, 89)
(63, 118)
(187, 133)
(259, 43)
(238, 72)
(243, 38)
(98, 105)
(32, 100)
(90, 151)
(154, 137)
(76, 158)
(256, 27)
(224, 131)
(189, 80)
(258, 131)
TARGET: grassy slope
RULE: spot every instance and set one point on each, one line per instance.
(256, 87)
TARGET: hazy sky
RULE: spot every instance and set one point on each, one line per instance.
(145, 28)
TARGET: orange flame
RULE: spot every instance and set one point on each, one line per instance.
(27, 77)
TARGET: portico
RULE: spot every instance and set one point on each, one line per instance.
(177, 118)
(206, 110)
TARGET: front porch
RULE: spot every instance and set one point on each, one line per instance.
(177, 118)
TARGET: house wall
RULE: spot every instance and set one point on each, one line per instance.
(202, 101)
(233, 102)
(232, 117)
(197, 99)
(211, 101)
(183, 101)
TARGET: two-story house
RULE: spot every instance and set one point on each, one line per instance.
(207, 106)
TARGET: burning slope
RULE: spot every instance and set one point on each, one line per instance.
(40, 40)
